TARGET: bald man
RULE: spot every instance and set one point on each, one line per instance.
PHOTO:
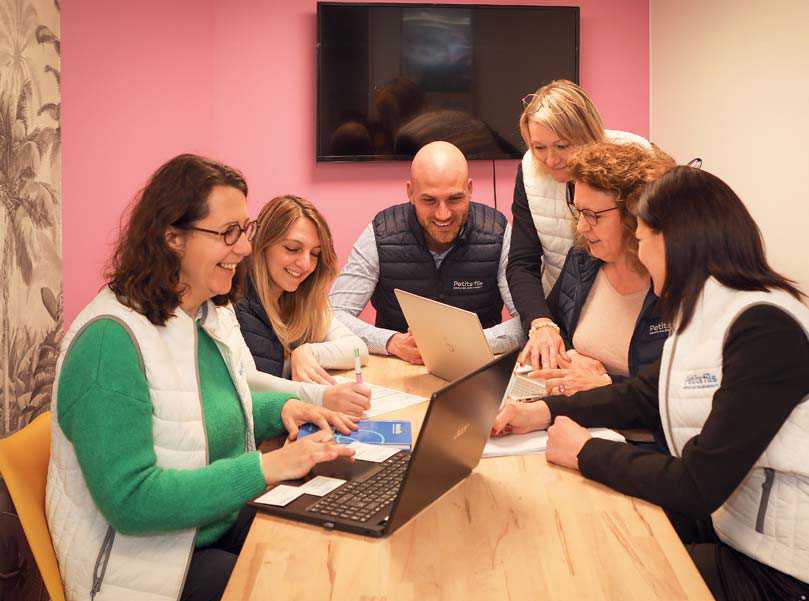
(438, 245)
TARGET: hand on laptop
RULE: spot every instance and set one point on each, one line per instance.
(305, 367)
(570, 381)
(403, 345)
(577, 361)
(519, 418)
(544, 347)
(349, 397)
(294, 460)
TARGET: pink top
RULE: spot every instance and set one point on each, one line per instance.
(606, 324)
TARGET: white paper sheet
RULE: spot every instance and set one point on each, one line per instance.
(372, 452)
(534, 442)
(281, 495)
(384, 399)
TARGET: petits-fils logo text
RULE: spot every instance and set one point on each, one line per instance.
(659, 328)
(702, 379)
(467, 284)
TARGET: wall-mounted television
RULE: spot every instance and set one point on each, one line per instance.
(393, 77)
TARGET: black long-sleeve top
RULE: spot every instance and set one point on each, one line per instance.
(765, 375)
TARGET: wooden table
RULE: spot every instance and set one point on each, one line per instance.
(516, 528)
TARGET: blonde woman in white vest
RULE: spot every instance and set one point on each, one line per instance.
(557, 118)
(157, 405)
(729, 395)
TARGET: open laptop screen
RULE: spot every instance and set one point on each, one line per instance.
(450, 444)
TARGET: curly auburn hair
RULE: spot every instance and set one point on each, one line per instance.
(624, 170)
(144, 272)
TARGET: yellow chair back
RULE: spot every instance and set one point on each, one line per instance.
(24, 460)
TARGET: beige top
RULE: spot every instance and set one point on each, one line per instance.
(606, 324)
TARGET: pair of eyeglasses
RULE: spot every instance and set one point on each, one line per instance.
(233, 232)
(590, 217)
(526, 100)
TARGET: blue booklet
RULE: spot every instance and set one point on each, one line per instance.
(394, 433)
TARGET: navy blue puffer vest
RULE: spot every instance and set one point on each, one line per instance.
(467, 277)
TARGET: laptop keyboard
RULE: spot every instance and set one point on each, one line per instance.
(359, 501)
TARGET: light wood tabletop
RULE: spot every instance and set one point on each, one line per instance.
(516, 528)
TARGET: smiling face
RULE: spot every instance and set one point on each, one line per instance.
(550, 150)
(207, 264)
(294, 257)
(652, 253)
(440, 190)
(605, 240)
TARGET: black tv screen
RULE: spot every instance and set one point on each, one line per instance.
(393, 77)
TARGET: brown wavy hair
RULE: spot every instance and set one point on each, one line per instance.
(624, 170)
(144, 272)
(707, 232)
(304, 315)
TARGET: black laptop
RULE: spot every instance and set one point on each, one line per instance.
(378, 498)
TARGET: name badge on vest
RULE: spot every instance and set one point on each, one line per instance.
(467, 284)
(659, 329)
(701, 379)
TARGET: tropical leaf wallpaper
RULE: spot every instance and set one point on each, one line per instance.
(30, 208)
(31, 324)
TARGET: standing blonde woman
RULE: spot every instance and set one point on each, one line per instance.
(285, 314)
(558, 118)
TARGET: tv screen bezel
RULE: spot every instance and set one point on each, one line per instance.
(396, 158)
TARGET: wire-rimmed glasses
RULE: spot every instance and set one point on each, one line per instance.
(233, 232)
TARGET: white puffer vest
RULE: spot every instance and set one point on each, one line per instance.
(547, 201)
(95, 561)
(767, 516)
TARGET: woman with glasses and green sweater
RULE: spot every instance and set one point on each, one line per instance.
(158, 405)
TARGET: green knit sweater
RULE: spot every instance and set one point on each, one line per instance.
(105, 411)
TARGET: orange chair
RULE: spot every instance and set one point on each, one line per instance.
(24, 465)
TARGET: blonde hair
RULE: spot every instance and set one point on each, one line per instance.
(624, 170)
(565, 109)
(304, 315)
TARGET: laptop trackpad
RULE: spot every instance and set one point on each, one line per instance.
(357, 471)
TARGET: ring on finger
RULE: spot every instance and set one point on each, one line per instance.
(562, 388)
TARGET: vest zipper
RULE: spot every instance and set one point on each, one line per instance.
(666, 399)
(101, 561)
(766, 489)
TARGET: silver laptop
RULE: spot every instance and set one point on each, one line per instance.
(452, 343)
(450, 340)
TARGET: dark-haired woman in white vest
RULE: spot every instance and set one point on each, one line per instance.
(729, 395)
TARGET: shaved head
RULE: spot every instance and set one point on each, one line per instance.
(440, 190)
(439, 160)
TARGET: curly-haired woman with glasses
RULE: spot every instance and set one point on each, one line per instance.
(557, 119)
(157, 404)
(603, 300)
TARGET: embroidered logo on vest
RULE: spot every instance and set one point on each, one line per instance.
(659, 328)
(701, 379)
(467, 284)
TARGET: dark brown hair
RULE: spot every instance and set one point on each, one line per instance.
(145, 271)
(707, 232)
(624, 170)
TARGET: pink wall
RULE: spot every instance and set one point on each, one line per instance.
(147, 80)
